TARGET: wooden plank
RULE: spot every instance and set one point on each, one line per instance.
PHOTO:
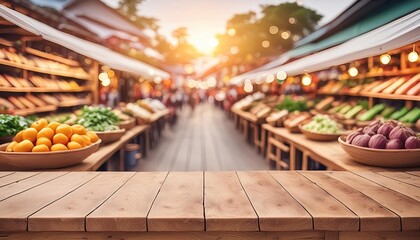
(408, 235)
(14, 211)
(127, 209)
(403, 188)
(276, 209)
(28, 183)
(403, 177)
(227, 207)
(16, 177)
(373, 216)
(312, 235)
(328, 213)
(407, 208)
(3, 174)
(179, 204)
(69, 212)
(416, 173)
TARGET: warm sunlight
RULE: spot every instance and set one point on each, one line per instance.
(204, 43)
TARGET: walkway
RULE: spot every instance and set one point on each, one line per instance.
(204, 140)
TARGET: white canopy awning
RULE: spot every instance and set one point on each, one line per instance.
(83, 47)
(401, 32)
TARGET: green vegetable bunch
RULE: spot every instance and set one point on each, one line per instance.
(291, 105)
(10, 125)
(98, 119)
(322, 124)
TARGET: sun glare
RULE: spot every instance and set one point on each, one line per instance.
(204, 44)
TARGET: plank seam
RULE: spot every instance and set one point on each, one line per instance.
(396, 179)
(27, 218)
(252, 205)
(16, 181)
(412, 173)
(8, 174)
(154, 199)
(204, 199)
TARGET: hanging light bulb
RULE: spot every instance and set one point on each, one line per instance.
(306, 79)
(248, 86)
(269, 78)
(413, 56)
(385, 58)
(281, 76)
(353, 71)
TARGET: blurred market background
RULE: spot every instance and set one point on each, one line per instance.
(206, 75)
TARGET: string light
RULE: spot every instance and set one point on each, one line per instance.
(281, 76)
(269, 78)
(231, 32)
(211, 82)
(306, 80)
(274, 30)
(234, 50)
(385, 58)
(102, 76)
(265, 44)
(285, 35)
(158, 80)
(106, 82)
(413, 56)
(192, 83)
(353, 71)
(292, 20)
(248, 87)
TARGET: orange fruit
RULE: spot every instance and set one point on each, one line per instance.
(73, 145)
(79, 139)
(53, 125)
(93, 137)
(18, 137)
(40, 124)
(41, 148)
(45, 133)
(11, 146)
(87, 140)
(64, 129)
(78, 129)
(60, 138)
(24, 146)
(58, 147)
(44, 141)
(29, 134)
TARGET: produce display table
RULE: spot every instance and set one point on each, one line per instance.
(329, 154)
(157, 124)
(210, 205)
(105, 152)
(246, 121)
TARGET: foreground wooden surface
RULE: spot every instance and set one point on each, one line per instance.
(210, 205)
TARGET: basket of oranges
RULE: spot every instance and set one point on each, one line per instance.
(47, 145)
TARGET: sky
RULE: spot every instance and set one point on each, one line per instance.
(205, 18)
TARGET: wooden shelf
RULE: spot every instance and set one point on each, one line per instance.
(45, 71)
(376, 95)
(52, 57)
(75, 103)
(385, 74)
(41, 90)
(25, 112)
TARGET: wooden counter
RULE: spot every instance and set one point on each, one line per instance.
(210, 205)
(329, 154)
(247, 121)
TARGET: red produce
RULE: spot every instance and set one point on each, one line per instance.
(378, 141)
(412, 142)
(361, 140)
(394, 144)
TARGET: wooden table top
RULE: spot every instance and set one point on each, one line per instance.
(246, 115)
(209, 201)
(158, 115)
(330, 152)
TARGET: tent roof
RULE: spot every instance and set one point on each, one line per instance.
(400, 32)
(83, 47)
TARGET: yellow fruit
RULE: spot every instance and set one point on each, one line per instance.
(73, 145)
(58, 147)
(24, 146)
(40, 124)
(44, 141)
(46, 133)
(11, 146)
(60, 138)
(79, 139)
(53, 125)
(87, 140)
(64, 129)
(29, 134)
(78, 129)
(18, 137)
(41, 148)
(92, 136)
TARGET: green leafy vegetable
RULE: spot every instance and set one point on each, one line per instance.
(291, 105)
(98, 119)
(10, 125)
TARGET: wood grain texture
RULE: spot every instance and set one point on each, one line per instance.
(403, 188)
(327, 212)
(403, 177)
(276, 209)
(407, 208)
(14, 211)
(17, 176)
(127, 209)
(2, 174)
(69, 212)
(227, 207)
(409, 235)
(27, 183)
(179, 204)
(416, 173)
(373, 216)
(313, 235)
